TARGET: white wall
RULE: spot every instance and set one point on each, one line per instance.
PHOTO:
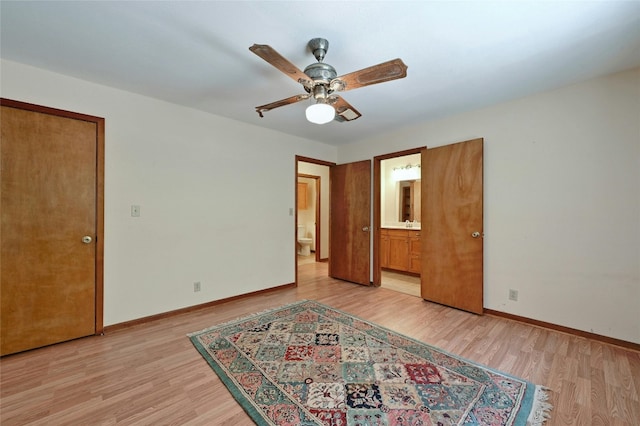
(562, 200)
(198, 179)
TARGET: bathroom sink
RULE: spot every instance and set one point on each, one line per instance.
(415, 227)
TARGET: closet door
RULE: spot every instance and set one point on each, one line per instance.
(452, 225)
(51, 218)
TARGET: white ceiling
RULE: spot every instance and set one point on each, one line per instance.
(461, 55)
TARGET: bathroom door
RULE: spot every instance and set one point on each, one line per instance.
(452, 225)
(51, 232)
(349, 228)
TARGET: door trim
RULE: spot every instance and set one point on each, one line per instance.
(99, 122)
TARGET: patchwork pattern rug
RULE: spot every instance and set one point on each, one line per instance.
(309, 364)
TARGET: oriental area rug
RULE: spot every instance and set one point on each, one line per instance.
(309, 364)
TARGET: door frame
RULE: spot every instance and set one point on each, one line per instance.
(300, 158)
(377, 208)
(99, 243)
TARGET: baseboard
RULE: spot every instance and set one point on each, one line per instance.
(150, 318)
(551, 326)
(563, 329)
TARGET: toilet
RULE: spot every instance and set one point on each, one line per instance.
(304, 243)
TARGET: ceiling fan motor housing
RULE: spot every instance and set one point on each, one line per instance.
(321, 72)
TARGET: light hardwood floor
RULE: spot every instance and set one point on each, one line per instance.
(403, 283)
(150, 374)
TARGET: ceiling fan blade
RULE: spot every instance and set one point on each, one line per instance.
(344, 111)
(288, 101)
(386, 71)
(269, 54)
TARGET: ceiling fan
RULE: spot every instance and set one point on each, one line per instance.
(320, 81)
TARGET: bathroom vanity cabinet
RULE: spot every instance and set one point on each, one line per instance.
(400, 250)
(302, 196)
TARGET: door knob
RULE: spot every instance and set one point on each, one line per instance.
(475, 234)
(86, 239)
(365, 228)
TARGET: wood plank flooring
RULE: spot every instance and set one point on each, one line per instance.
(403, 283)
(150, 374)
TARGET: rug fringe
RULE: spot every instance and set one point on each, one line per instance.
(540, 411)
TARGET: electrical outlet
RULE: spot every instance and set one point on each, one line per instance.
(513, 295)
(196, 286)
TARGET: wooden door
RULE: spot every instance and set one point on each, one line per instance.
(51, 217)
(350, 210)
(452, 225)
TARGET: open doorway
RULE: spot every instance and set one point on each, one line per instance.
(345, 217)
(312, 211)
(308, 230)
(397, 212)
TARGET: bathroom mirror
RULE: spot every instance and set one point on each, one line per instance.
(408, 192)
(400, 192)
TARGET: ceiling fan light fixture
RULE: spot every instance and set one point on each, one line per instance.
(320, 113)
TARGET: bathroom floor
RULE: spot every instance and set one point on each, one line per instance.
(402, 283)
(407, 284)
(303, 260)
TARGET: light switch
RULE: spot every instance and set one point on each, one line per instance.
(135, 211)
